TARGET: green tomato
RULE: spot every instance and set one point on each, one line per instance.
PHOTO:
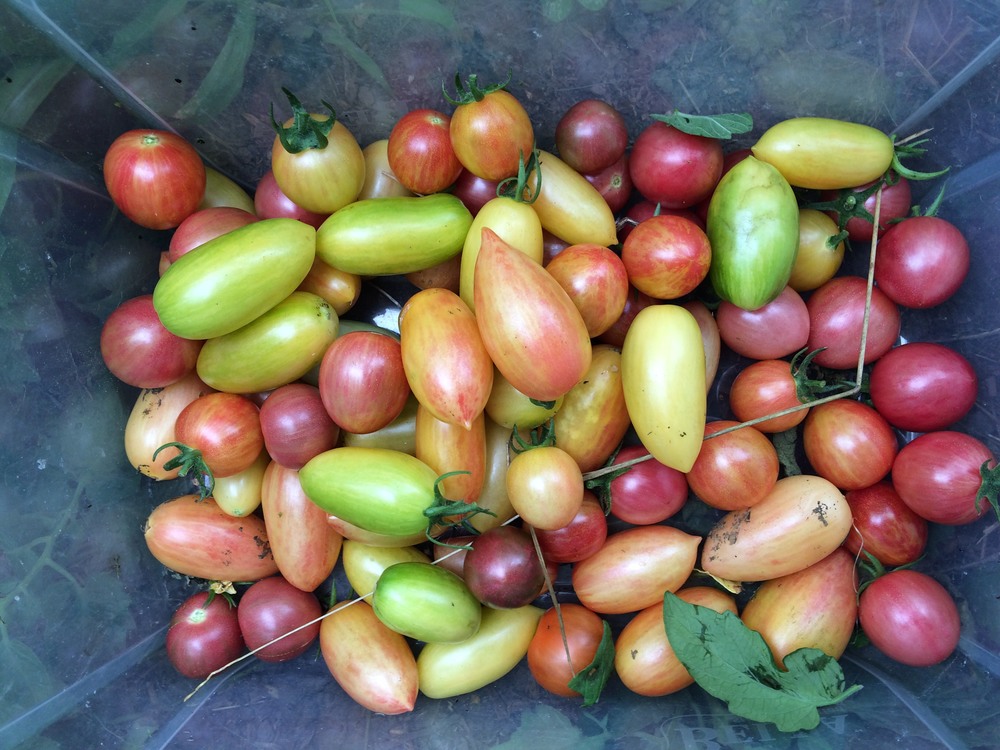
(233, 279)
(385, 236)
(278, 347)
(426, 602)
(753, 226)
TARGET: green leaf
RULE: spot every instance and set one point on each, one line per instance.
(591, 680)
(722, 127)
(734, 664)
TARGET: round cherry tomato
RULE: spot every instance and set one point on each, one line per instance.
(895, 205)
(849, 443)
(673, 168)
(614, 183)
(591, 135)
(836, 319)
(734, 470)
(921, 261)
(272, 608)
(502, 569)
(296, 425)
(596, 280)
(490, 131)
(817, 261)
(666, 256)
(649, 492)
(766, 387)
(775, 330)
(548, 660)
(580, 538)
(206, 224)
(204, 635)
(545, 486)
(420, 152)
(225, 427)
(270, 202)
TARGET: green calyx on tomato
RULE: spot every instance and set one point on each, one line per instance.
(306, 131)
(472, 92)
(811, 388)
(454, 514)
(537, 437)
(516, 187)
(720, 127)
(907, 149)
(190, 459)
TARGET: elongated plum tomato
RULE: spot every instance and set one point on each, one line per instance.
(420, 153)
(204, 635)
(272, 608)
(772, 331)
(533, 332)
(426, 602)
(582, 630)
(296, 425)
(156, 178)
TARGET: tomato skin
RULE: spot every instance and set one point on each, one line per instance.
(570, 207)
(596, 280)
(378, 489)
(206, 224)
(937, 475)
(674, 168)
(578, 539)
(222, 191)
(445, 360)
(321, 180)
(271, 203)
(507, 406)
(816, 262)
(922, 261)
(380, 180)
(849, 443)
(305, 547)
(385, 236)
(895, 204)
(753, 227)
(196, 538)
(203, 635)
(234, 278)
(663, 377)
(545, 486)
(272, 607)
(532, 330)
(922, 386)
(502, 570)
(373, 664)
(491, 135)
(734, 470)
(474, 192)
(547, 659)
(634, 302)
(710, 338)
(339, 288)
(426, 602)
(225, 427)
(825, 154)
(420, 151)
(156, 178)
(614, 183)
(802, 520)
(765, 387)
(399, 434)
(817, 607)
(448, 670)
(774, 330)
(364, 563)
(666, 256)
(885, 526)
(649, 492)
(910, 617)
(836, 317)
(279, 347)
(448, 447)
(239, 494)
(494, 493)
(295, 425)
(591, 135)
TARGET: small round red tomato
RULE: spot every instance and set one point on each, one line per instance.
(673, 168)
(225, 427)
(885, 526)
(420, 151)
(923, 386)
(362, 381)
(502, 569)
(910, 617)
(138, 350)
(645, 209)
(779, 328)
(895, 205)
(766, 387)
(649, 492)
(734, 470)
(591, 136)
(595, 279)
(836, 319)
(156, 178)
(547, 656)
(666, 256)
(545, 486)
(614, 183)
(272, 608)
(204, 635)
(922, 261)
(849, 443)
(270, 202)
(490, 131)
(578, 539)
(474, 191)
(296, 425)
(204, 225)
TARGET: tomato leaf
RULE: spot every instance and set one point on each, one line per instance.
(591, 680)
(722, 127)
(733, 663)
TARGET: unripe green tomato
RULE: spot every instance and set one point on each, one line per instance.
(426, 602)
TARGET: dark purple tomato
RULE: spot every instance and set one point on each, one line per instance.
(836, 320)
(591, 136)
(779, 328)
(921, 261)
(578, 539)
(502, 570)
(296, 425)
(204, 635)
(922, 386)
(474, 192)
(271, 608)
(884, 526)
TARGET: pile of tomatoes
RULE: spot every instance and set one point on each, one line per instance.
(550, 372)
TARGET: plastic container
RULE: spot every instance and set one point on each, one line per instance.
(83, 606)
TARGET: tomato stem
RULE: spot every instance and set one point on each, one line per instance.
(305, 132)
(538, 437)
(520, 191)
(472, 91)
(187, 460)
(451, 513)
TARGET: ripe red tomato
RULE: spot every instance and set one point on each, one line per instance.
(578, 539)
(666, 256)
(502, 569)
(836, 316)
(272, 608)
(204, 225)
(548, 661)
(420, 151)
(156, 178)
(885, 526)
(270, 202)
(673, 168)
(734, 470)
(766, 387)
(225, 427)
(649, 492)
(596, 280)
(591, 136)
(779, 328)
(910, 617)
(614, 183)
(204, 635)
(296, 425)
(922, 261)
(895, 205)
(922, 386)
(490, 132)
(634, 302)
(849, 443)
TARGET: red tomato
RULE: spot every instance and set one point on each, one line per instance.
(849, 443)
(836, 317)
(778, 329)
(204, 635)
(138, 350)
(595, 279)
(502, 569)
(614, 183)
(270, 202)
(921, 261)
(491, 132)
(734, 470)
(545, 486)
(645, 209)
(649, 492)
(666, 256)
(634, 302)
(156, 178)
(591, 136)
(910, 617)
(578, 539)
(420, 151)
(296, 425)
(673, 168)
(474, 191)
(225, 427)
(362, 381)
(895, 205)
(204, 225)
(885, 526)
(273, 608)
(547, 656)
(922, 386)
(766, 387)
